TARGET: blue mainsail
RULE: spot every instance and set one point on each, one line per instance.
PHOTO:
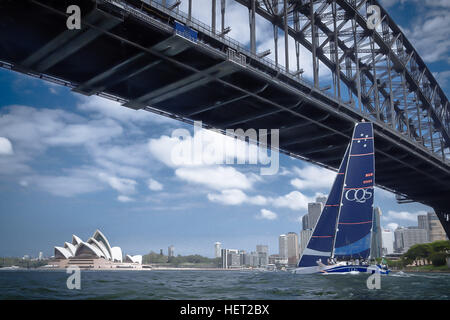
(320, 244)
(353, 234)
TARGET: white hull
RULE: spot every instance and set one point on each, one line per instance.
(341, 268)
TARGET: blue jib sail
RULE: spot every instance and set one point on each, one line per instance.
(353, 234)
(321, 242)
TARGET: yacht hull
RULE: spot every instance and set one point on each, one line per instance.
(342, 269)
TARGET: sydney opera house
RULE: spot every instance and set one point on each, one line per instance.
(94, 253)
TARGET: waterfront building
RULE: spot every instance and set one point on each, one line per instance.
(133, 259)
(305, 235)
(435, 230)
(94, 248)
(283, 246)
(422, 222)
(254, 259)
(387, 241)
(293, 248)
(263, 255)
(41, 256)
(314, 211)
(376, 244)
(407, 237)
(234, 259)
(230, 258)
(430, 222)
(171, 251)
(217, 250)
(224, 255)
(275, 259)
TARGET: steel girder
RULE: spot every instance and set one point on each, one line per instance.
(390, 82)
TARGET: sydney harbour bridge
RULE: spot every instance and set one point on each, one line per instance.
(154, 56)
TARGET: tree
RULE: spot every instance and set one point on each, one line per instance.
(441, 246)
(438, 259)
(419, 251)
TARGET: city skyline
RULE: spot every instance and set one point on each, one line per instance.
(92, 167)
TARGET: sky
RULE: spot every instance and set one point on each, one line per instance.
(71, 164)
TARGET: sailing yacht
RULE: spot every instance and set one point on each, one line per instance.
(341, 239)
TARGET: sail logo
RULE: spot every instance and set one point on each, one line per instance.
(358, 195)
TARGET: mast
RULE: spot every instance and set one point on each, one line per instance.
(349, 148)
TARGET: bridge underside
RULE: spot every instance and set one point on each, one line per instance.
(145, 65)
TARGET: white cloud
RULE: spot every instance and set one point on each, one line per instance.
(5, 146)
(94, 131)
(114, 110)
(154, 185)
(121, 185)
(229, 197)
(235, 197)
(219, 178)
(124, 199)
(313, 178)
(294, 201)
(267, 214)
(403, 215)
(66, 186)
(392, 226)
(429, 31)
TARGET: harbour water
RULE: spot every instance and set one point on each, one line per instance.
(254, 285)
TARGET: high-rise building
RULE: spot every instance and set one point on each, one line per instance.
(283, 246)
(376, 245)
(247, 259)
(254, 259)
(405, 238)
(217, 250)
(41, 256)
(224, 255)
(234, 259)
(293, 249)
(387, 237)
(435, 230)
(230, 258)
(263, 254)
(171, 251)
(314, 211)
(422, 222)
(305, 235)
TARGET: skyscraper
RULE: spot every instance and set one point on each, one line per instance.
(263, 254)
(217, 250)
(293, 249)
(309, 221)
(387, 237)
(314, 211)
(376, 245)
(405, 238)
(435, 230)
(41, 256)
(171, 251)
(304, 238)
(422, 222)
(283, 246)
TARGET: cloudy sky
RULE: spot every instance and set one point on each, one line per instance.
(70, 164)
